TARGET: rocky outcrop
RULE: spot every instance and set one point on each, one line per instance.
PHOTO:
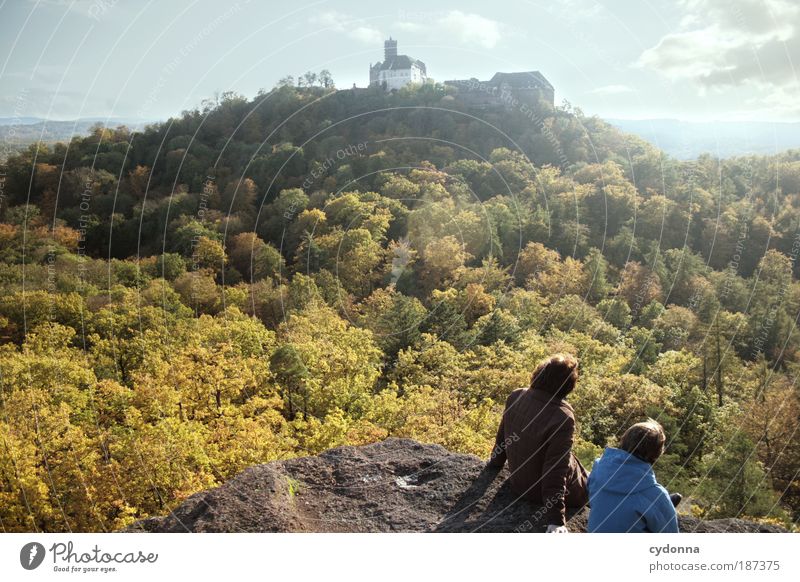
(397, 485)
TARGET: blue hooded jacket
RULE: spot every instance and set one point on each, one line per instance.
(625, 497)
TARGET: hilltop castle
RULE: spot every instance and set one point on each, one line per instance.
(397, 71)
(503, 89)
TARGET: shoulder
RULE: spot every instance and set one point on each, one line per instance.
(567, 408)
(561, 419)
(567, 420)
(563, 413)
(662, 491)
(514, 395)
(658, 493)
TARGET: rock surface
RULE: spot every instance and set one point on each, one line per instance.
(397, 485)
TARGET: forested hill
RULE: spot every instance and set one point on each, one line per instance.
(257, 280)
(284, 138)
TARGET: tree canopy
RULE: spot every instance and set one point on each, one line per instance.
(260, 279)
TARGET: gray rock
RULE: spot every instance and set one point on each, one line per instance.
(398, 485)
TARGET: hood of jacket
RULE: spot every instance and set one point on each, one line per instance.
(618, 471)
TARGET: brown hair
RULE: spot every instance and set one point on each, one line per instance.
(556, 375)
(644, 440)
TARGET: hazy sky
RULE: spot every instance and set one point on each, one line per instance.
(685, 59)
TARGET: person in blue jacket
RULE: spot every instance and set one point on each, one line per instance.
(623, 493)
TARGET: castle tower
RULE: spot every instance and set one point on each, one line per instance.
(389, 49)
(396, 71)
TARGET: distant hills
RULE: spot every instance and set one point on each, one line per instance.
(111, 121)
(19, 120)
(19, 132)
(688, 139)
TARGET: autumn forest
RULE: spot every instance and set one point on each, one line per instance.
(262, 279)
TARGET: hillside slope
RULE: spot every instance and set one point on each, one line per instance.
(397, 485)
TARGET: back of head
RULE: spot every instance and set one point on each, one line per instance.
(557, 375)
(644, 440)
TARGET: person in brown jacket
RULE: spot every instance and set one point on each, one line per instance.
(535, 436)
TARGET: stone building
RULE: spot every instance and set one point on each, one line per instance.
(396, 71)
(503, 89)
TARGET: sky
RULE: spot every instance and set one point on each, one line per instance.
(695, 60)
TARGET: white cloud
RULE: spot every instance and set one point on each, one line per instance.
(366, 34)
(611, 90)
(408, 26)
(721, 44)
(472, 28)
(355, 28)
(782, 101)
